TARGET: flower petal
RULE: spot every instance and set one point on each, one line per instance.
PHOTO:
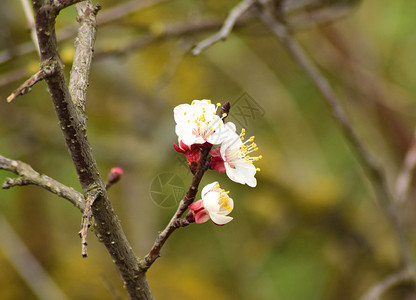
(249, 171)
(234, 174)
(211, 201)
(220, 219)
(180, 112)
(250, 180)
(208, 188)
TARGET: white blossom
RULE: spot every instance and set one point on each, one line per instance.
(198, 123)
(238, 163)
(215, 205)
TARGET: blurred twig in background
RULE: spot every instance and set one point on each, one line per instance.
(27, 265)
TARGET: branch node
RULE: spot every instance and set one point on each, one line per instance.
(226, 28)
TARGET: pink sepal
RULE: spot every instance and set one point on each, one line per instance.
(201, 217)
(177, 148)
(196, 206)
(217, 163)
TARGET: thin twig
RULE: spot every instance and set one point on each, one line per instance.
(31, 22)
(374, 171)
(228, 25)
(405, 275)
(167, 31)
(28, 176)
(26, 87)
(85, 224)
(405, 175)
(28, 266)
(176, 221)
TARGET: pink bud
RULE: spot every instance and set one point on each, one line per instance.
(114, 176)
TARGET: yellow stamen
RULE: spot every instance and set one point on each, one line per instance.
(224, 201)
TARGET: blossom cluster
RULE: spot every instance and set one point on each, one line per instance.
(199, 126)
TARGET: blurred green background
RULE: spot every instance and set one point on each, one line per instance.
(311, 229)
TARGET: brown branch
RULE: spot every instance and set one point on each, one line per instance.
(28, 176)
(228, 25)
(405, 275)
(176, 221)
(372, 168)
(107, 226)
(26, 87)
(78, 84)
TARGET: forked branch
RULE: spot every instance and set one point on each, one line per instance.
(28, 176)
(73, 124)
(226, 28)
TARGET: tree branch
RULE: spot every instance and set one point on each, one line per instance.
(405, 275)
(84, 49)
(167, 31)
(228, 25)
(176, 221)
(372, 168)
(27, 265)
(26, 87)
(28, 176)
(107, 226)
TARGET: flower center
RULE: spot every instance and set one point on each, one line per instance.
(205, 127)
(241, 154)
(224, 200)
